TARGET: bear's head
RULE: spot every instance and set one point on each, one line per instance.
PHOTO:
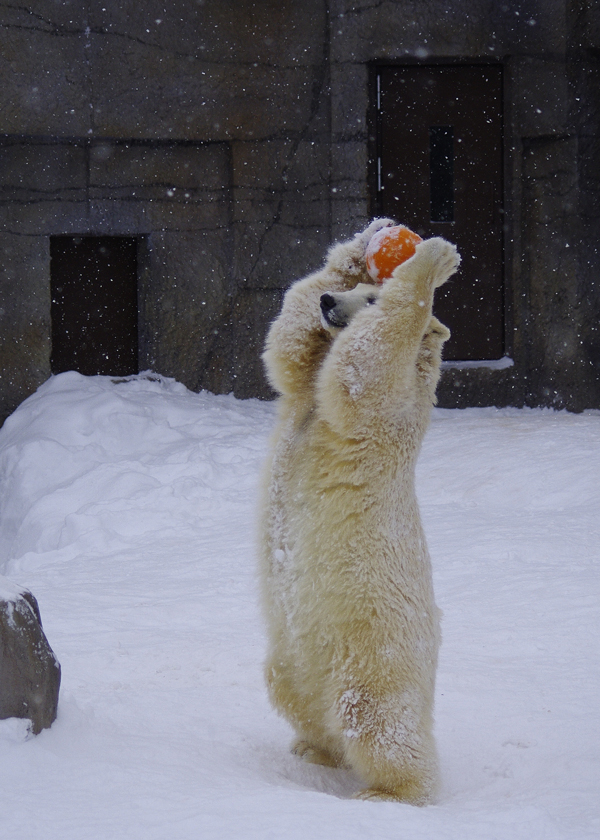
(338, 308)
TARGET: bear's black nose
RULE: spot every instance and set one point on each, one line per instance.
(327, 302)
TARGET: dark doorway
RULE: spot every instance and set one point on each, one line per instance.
(439, 158)
(94, 305)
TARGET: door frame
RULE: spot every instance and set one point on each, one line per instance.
(510, 245)
(139, 242)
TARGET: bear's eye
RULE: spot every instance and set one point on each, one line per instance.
(371, 299)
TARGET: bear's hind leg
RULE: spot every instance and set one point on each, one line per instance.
(391, 745)
(313, 744)
(406, 792)
(407, 776)
(314, 755)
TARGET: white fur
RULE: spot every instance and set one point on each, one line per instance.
(341, 307)
(346, 576)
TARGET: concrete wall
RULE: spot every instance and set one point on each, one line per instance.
(234, 137)
(550, 55)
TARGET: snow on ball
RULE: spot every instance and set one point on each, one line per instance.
(388, 248)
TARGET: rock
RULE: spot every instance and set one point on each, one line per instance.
(29, 670)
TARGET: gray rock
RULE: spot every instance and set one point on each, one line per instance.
(29, 670)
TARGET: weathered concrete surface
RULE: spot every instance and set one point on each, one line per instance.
(29, 670)
(24, 317)
(551, 65)
(234, 139)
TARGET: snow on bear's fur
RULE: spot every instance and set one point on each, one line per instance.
(346, 575)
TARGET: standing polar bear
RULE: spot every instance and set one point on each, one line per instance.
(346, 576)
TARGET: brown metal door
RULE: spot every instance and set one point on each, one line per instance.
(440, 173)
(94, 305)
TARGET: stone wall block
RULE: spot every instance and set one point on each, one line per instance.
(286, 33)
(141, 188)
(140, 215)
(204, 70)
(254, 312)
(349, 171)
(478, 387)
(261, 165)
(46, 216)
(550, 259)
(29, 670)
(348, 101)
(44, 56)
(526, 27)
(362, 30)
(348, 217)
(274, 256)
(540, 91)
(309, 167)
(24, 317)
(162, 166)
(310, 213)
(40, 170)
(43, 188)
(281, 210)
(185, 309)
(173, 95)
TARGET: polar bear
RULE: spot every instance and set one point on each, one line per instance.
(346, 577)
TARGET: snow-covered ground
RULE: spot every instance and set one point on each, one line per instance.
(128, 509)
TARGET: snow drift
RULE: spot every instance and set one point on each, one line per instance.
(128, 508)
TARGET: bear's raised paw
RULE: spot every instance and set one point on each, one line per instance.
(364, 237)
(443, 257)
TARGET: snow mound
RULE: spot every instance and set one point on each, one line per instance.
(128, 507)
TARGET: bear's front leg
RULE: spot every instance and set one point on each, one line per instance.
(368, 377)
(434, 261)
(430, 356)
(297, 342)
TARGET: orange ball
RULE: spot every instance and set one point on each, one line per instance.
(388, 248)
